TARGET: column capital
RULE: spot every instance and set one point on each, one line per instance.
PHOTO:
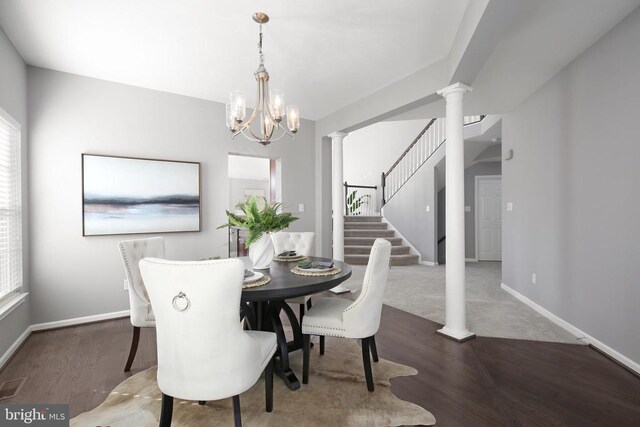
(338, 135)
(454, 88)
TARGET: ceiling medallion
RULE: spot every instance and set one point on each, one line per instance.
(269, 111)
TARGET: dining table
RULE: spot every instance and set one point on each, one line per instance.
(263, 306)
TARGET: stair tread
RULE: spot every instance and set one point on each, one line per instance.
(396, 260)
(392, 256)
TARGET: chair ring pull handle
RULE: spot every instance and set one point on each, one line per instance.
(184, 305)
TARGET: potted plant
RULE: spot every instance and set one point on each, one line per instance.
(260, 223)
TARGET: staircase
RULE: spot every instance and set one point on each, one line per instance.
(359, 234)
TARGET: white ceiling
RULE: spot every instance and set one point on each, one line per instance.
(324, 54)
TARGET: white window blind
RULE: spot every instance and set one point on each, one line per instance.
(10, 207)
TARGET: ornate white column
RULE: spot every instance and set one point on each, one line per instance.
(455, 326)
(337, 199)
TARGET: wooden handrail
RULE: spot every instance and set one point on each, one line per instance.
(415, 141)
(373, 187)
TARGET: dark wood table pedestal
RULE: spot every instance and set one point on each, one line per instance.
(265, 316)
(262, 308)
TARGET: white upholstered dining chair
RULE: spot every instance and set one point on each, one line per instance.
(341, 317)
(304, 244)
(203, 352)
(132, 251)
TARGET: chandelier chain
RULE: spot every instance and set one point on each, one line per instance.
(260, 46)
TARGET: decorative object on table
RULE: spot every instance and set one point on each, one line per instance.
(141, 314)
(259, 223)
(269, 109)
(256, 280)
(289, 256)
(336, 385)
(316, 271)
(360, 319)
(315, 265)
(203, 352)
(125, 195)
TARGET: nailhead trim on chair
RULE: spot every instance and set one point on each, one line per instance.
(361, 297)
(130, 277)
(327, 328)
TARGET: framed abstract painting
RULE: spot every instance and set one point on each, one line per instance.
(127, 195)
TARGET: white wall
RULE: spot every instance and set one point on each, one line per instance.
(13, 99)
(75, 276)
(573, 182)
(372, 150)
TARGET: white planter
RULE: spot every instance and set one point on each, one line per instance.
(261, 252)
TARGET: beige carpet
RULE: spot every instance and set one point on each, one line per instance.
(335, 396)
(491, 311)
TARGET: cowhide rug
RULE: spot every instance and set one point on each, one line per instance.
(335, 396)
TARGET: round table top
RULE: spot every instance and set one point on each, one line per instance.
(284, 284)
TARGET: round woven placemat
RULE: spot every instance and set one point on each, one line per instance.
(298, 258)
(265, 279)
(302, 272)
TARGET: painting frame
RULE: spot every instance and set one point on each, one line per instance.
(85, 233)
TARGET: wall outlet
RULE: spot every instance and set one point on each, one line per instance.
(534, 278)
(428, 208)
(467, 208)
(126, 285)
(509, 206)
(301, 207)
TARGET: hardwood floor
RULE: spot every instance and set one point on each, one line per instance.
(483, 382)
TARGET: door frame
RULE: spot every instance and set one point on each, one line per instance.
(476, 213)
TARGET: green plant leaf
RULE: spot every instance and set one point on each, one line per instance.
(259, 221)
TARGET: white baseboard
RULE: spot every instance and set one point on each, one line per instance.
(79, 320)
(583, 336)
(429, 263)
(14, 347)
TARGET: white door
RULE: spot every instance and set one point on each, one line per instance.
(489, 211)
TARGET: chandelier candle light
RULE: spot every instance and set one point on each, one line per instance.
(269, 109)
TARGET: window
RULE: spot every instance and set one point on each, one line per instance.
(10, 206)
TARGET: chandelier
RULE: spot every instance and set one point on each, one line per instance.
(269, 111)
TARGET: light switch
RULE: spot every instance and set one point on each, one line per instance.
(301, 207)
(428, 208)
(467, 208)
(126, 285)
(534, 278)
(509, 206)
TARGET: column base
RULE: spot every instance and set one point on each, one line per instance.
(458, 336)
(340, 290)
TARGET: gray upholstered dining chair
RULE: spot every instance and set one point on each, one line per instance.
(304, 244)
(132, 251)
(203, 352)
(341, 317)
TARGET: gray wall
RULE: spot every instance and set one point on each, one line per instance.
(75, 276)
(13, 99)
(407, 212)
(470, 173)
(573, 182)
